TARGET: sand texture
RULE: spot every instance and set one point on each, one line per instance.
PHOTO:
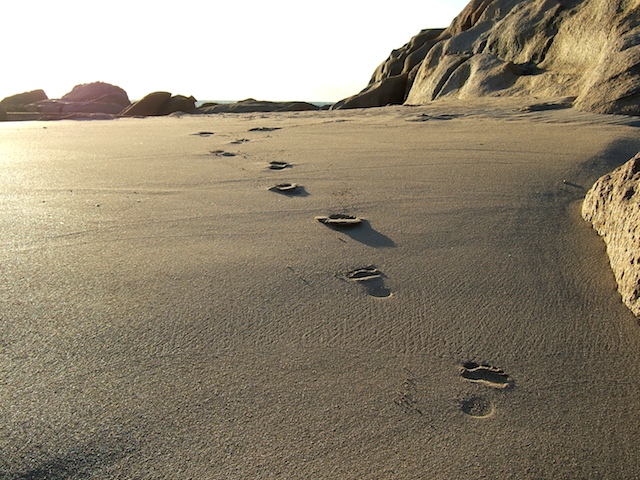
(166, 313)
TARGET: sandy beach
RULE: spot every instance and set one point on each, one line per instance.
(165, 315)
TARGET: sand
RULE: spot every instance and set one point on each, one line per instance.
(164, 314)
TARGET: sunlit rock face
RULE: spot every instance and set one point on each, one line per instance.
(587, 49)
(612, 206)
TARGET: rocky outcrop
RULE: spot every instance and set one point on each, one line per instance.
(18, 102)
(587, 49)
(159, 103)
(612, 206)
(3, 114)
(251, 105)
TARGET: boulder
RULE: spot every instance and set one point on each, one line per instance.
(587, 49)
(3, 114)
(147, 105)
(388, 91)
(611, 206)
(98, 92)
(18, 102)
(178, 103)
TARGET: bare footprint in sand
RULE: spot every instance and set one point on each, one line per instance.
(275, 165)
(372, 279)
(222, 153)
(264, 129)
(203, 134)
(477, 407)
(289, 188)
(339, 220)
(485, 374)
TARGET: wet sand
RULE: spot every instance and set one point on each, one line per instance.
(165, 313)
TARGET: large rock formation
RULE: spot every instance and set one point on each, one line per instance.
(613, 207)
(588, 49)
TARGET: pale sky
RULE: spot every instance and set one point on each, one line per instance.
(266, 49)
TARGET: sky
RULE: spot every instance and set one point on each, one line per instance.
(270, 50)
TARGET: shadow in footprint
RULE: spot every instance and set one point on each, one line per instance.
(372, 279)
(485, 374)
(203, 134)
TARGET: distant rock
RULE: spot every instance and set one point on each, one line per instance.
(587, 49)
(178, 103)
(159, 103)
(148, 105)
(3, 114)
(611, 206)
(251, 105)
(18, 102)
(98, 92)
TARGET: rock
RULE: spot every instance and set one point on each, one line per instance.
(587, 49)
(98, 92)
(178, 103)
(18, 102)
(147, 106)
(3, 114)
(388, 91)
(251, 105)
(612, 207)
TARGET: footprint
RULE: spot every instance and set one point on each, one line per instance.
(477, 407)
(340, 220)
(275, 165)
(264, 129)
(485, 374)
(222, 153)
(203, 134)
(364, 274)
(372, 279)
(239, 141)
(290, 188)
(426, 117)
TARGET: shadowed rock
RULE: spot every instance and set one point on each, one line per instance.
(146, 106)
(159, 103)
(611, 206)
